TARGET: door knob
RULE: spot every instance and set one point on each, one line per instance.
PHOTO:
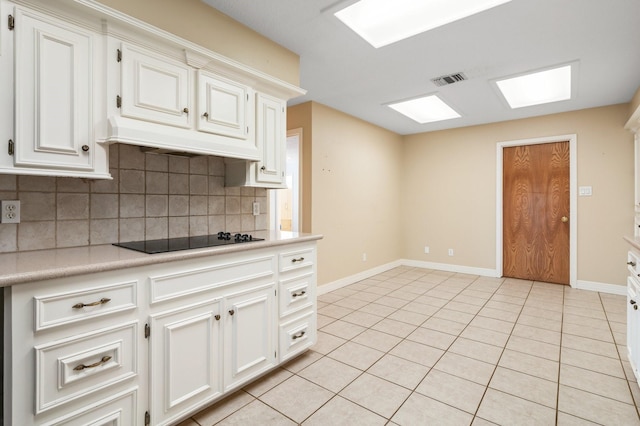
(564, 219)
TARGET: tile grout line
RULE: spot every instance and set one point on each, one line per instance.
(475, 414)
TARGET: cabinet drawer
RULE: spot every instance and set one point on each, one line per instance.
(72, 368)
(67, 308)
(297, 335)
(296, 294)
(117, 410)
(190, 281)
(295, 260)
(633, 262)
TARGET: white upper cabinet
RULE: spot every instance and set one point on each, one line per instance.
(155, 88)
(55, 67)
(165, 103)
(224, 107)
(271, 137)
(77, 76)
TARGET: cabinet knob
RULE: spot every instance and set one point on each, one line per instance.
(231, 312)
(631, 263)
(632, 302)
(217, 317)
(205, 115)
(186, 110)
(263, 168)
(85, 148)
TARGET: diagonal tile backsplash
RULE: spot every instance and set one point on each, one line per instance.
(151, 196)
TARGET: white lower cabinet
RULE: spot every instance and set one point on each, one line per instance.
(633, 314)
(249, 335)
(184, 359)
(151, 345)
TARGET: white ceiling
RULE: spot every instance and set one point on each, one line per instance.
(341, 70)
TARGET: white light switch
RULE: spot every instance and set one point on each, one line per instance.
(585, 191)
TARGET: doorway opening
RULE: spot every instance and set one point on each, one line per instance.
(286, 203)
(572, 213)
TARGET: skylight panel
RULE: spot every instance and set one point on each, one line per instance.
(537, 88)
(382, 22)
(426, 109)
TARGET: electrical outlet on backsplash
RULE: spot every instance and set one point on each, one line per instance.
(151, 196)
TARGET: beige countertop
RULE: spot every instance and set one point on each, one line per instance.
(37, 265)
(634, 241)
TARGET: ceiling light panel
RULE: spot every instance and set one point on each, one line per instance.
(382, 22)
(537, 88)
(426, 109)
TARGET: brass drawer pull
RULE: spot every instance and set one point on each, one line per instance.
(302, 293)
(299, 335)
(297, 260)
(103, 360)
(99, 302)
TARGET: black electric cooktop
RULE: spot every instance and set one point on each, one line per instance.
(185, 243)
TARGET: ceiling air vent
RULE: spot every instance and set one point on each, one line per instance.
(449, 79)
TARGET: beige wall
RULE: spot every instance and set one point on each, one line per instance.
(357, 177)
(449, 196)
(193, 20)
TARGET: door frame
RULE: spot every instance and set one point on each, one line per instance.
(274, 211)
(573, 198)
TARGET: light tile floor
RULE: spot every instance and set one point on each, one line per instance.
(420, 347)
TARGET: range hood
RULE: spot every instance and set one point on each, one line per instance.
(168, 139)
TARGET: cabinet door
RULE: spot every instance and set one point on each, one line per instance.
(53, 93)
(249, 334)
(155, 88)
(633, 329)
(271, 136)
(223, 106)
(185, 360)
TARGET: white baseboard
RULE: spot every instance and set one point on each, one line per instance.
(352, 279)
(601, 287)
(452, 268)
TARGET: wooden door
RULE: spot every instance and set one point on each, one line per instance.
(536, 212)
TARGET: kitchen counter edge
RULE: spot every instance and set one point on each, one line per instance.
(39, 265)
(634, 241)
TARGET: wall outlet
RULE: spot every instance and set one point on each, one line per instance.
(364, 257)
(426, 249)
(10, 211)
(256, 208)
(450, 252)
